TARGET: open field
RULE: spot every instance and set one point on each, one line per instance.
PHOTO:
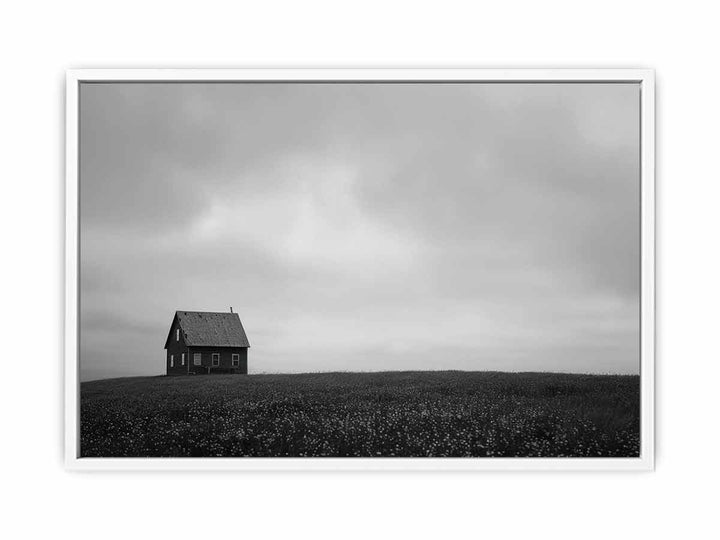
(446, 413)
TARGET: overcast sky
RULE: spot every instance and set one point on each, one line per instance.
(363, 226)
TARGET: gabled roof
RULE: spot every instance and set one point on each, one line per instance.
(205, 328)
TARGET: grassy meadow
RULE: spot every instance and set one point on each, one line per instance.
(448, 413)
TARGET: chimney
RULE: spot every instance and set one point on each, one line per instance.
(231, 309)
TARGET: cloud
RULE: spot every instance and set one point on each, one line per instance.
(386, 226)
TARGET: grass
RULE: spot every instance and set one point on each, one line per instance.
(447, 413)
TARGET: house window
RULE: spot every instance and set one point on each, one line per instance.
(215, 359)
(172, 360)
(177, 334)
(197, 359)
(235, 360)
(182, 359)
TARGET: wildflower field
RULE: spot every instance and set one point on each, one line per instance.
(448, 413)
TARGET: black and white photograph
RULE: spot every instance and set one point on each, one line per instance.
(335, 270)
(380, 268)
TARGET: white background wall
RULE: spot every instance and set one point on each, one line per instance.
(39, 41)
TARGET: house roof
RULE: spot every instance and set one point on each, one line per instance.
(205, 328)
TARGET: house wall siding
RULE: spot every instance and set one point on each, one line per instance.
(176, 348)
(225, 360)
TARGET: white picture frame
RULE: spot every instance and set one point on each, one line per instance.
(644, 77)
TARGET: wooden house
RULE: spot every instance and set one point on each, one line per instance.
(202, 342)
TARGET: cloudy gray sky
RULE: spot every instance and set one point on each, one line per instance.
(363, 226)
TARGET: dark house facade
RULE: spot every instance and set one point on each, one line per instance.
(202, 342)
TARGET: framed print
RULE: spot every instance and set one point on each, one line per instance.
(360, 269)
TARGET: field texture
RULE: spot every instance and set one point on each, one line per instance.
(458, 414)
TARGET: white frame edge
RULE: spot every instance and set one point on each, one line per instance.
(646, 461)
